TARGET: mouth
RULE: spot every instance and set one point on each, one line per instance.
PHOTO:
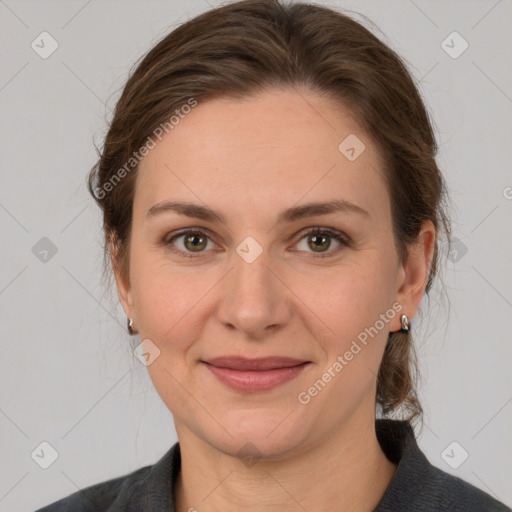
(254, 375)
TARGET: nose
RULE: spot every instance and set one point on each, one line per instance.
(254, 298)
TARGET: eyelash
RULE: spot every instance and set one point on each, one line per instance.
(331, 233)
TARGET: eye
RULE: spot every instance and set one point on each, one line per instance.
(193, 241)
(320, 238)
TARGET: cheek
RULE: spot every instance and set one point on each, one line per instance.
(163, 293)
(351, 299)
(354, 344)
(167, 304)
(356, 306)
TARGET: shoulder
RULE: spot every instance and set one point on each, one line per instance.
(419, 485)
(448, 492)
(148, 488)
(104, 496)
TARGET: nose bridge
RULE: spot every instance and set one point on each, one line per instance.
(253, 297)
(252, 277)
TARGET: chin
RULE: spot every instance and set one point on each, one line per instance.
(265, 435)
(254, 449)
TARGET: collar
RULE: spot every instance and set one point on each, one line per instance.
(397, 441)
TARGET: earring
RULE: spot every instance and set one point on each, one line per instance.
(130, 326)
(405, 323)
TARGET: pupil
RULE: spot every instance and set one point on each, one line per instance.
(320, 239)
(192, 238)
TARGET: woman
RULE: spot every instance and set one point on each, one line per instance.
(272, 212)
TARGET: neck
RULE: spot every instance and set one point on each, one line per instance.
(347, 471)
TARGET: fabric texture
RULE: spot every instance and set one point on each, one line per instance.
(416, 486)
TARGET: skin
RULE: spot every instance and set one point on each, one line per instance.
(250, 159)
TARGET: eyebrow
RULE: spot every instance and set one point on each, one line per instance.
(289, 215)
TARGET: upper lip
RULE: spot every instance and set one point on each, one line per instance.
(261, 363)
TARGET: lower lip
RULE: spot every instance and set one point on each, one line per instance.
(254, 381)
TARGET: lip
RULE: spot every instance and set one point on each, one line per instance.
(254, 364)
(253, 375)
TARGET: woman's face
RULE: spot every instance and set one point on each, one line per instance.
(255, 284)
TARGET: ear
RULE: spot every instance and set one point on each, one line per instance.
(124, 290)
(413, 274)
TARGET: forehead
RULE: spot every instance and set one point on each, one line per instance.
(264, 150)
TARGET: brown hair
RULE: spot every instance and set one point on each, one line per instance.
(246, 47)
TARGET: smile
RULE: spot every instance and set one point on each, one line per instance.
(255, 380)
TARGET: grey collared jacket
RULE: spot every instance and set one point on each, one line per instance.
(416, 486)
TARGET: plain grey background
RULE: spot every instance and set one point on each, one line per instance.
(68, 374)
